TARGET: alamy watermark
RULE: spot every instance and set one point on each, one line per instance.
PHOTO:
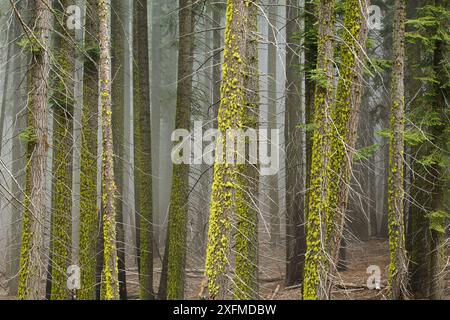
(73, 277)
(73, 21)
(74, 17)
(375, 18)
(374, 280)
(255, 146)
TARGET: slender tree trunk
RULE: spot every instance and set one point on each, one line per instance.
(398, 268)
(19, 119)
(89, 211)
(271, 182)
(295, 160)
(217, 44)
(158, 214)
(110, 282)
(310, 52)
(142, 150)
(118, 40)
(11, 236)
(31, 268)
(10, 49)
(438, 246)
(178, 210)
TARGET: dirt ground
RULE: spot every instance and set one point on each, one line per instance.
(351, 284)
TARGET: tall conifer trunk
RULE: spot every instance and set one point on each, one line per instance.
(31, 268)
(398, 268)
(110, 281)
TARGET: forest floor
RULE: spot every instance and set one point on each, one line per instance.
(350, 284)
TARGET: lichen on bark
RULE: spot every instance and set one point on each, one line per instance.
(232, 182)
(89, 211)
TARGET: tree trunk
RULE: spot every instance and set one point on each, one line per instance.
(10, 48)
(142, 150)
(438, 246)
(345, 117)
(178, 210)
(398, 269)
(118, 40)
(155, 103)
(233, 182)
(271, 182)
(63, 111)
(89, 211)
(110, 282)
(295, 158)
(217, 44)
(317, 226)
(246, 237)
(310, 52)
(31, 269)
(18, 161)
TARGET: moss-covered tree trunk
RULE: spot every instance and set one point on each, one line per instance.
(398, 268)
(246, 237)
(232, 183)
(295, 146)
(89, 211)
(118, 39)
(142, 150)
(110, 282)
(63, 109)
(178, 211)
(217, 15)
(318, 224)
(31, 268)
(345, 116)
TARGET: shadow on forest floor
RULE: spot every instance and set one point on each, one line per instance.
(351, 284)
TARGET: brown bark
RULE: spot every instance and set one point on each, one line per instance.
(142, 150)
(398, 269)
(110, 283)
(31, 268)
(178, 210)
(295, 160)
(346, 118)
(118, 39)
(321, 151)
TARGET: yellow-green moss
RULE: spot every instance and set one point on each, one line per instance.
(320, 166)
(231, 183)
(346, 105)
(24, 267)
(395, 195)
(110, 283)
(89, 213)
(61, 217)
(143, 194)
(61, 228)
